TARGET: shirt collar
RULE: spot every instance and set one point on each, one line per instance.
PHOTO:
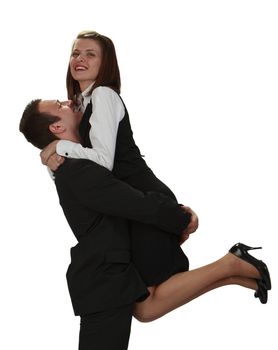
(85, 92)
(85, 98)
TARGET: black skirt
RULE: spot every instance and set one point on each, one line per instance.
(156, 254)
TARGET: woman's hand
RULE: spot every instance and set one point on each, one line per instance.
(48, 151)
(50, 158)
(54, 161)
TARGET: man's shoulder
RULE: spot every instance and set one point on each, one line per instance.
(72, 163)
(70, 166)
(77, 167)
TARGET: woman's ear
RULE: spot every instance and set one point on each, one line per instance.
(57, 128)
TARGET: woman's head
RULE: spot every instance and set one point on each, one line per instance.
(93, 60)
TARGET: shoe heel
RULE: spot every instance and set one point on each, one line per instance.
(240, 249)
(246, 247)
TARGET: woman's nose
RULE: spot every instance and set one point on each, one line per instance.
(80, 57)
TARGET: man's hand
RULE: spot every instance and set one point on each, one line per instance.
(192, 226)
(50, 158)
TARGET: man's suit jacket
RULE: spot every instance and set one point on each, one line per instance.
(101, 274)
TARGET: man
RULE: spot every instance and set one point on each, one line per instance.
(103, 282)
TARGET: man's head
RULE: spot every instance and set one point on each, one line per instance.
(44, 121)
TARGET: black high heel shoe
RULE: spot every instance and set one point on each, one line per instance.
(261, 292)
(241, 251)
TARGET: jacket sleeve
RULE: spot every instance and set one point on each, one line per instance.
(98, 190)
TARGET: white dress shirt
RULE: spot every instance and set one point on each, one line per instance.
(108, 111)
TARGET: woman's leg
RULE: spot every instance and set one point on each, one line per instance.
(186, 286)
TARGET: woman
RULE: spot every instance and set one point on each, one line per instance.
(156, 254)
(93, 83)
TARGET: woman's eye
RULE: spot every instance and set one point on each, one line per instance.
(75, 54)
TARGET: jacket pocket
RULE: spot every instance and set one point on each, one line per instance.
(116, 261)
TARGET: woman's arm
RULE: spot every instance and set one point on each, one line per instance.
(108, 111)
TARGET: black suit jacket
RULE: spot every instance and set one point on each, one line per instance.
(101, 274)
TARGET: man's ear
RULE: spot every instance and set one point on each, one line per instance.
(57, 128)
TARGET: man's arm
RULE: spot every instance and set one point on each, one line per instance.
(97, 189)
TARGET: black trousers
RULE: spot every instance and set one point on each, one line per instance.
(106, 330)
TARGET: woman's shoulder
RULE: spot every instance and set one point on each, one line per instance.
(105, 90)
(105, 93)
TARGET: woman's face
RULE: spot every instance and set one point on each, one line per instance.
(85, 61)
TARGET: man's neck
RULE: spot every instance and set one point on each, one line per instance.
(71, 136)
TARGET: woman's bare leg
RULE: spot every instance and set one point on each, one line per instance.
(149, 311)
(186, 286)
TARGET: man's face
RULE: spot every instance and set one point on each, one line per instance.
(64, 110)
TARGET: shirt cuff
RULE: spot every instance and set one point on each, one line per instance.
(65, 148)
(51, 173)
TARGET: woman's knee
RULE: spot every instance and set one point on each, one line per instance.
(143, 316)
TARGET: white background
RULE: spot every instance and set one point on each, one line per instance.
(199, 79)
